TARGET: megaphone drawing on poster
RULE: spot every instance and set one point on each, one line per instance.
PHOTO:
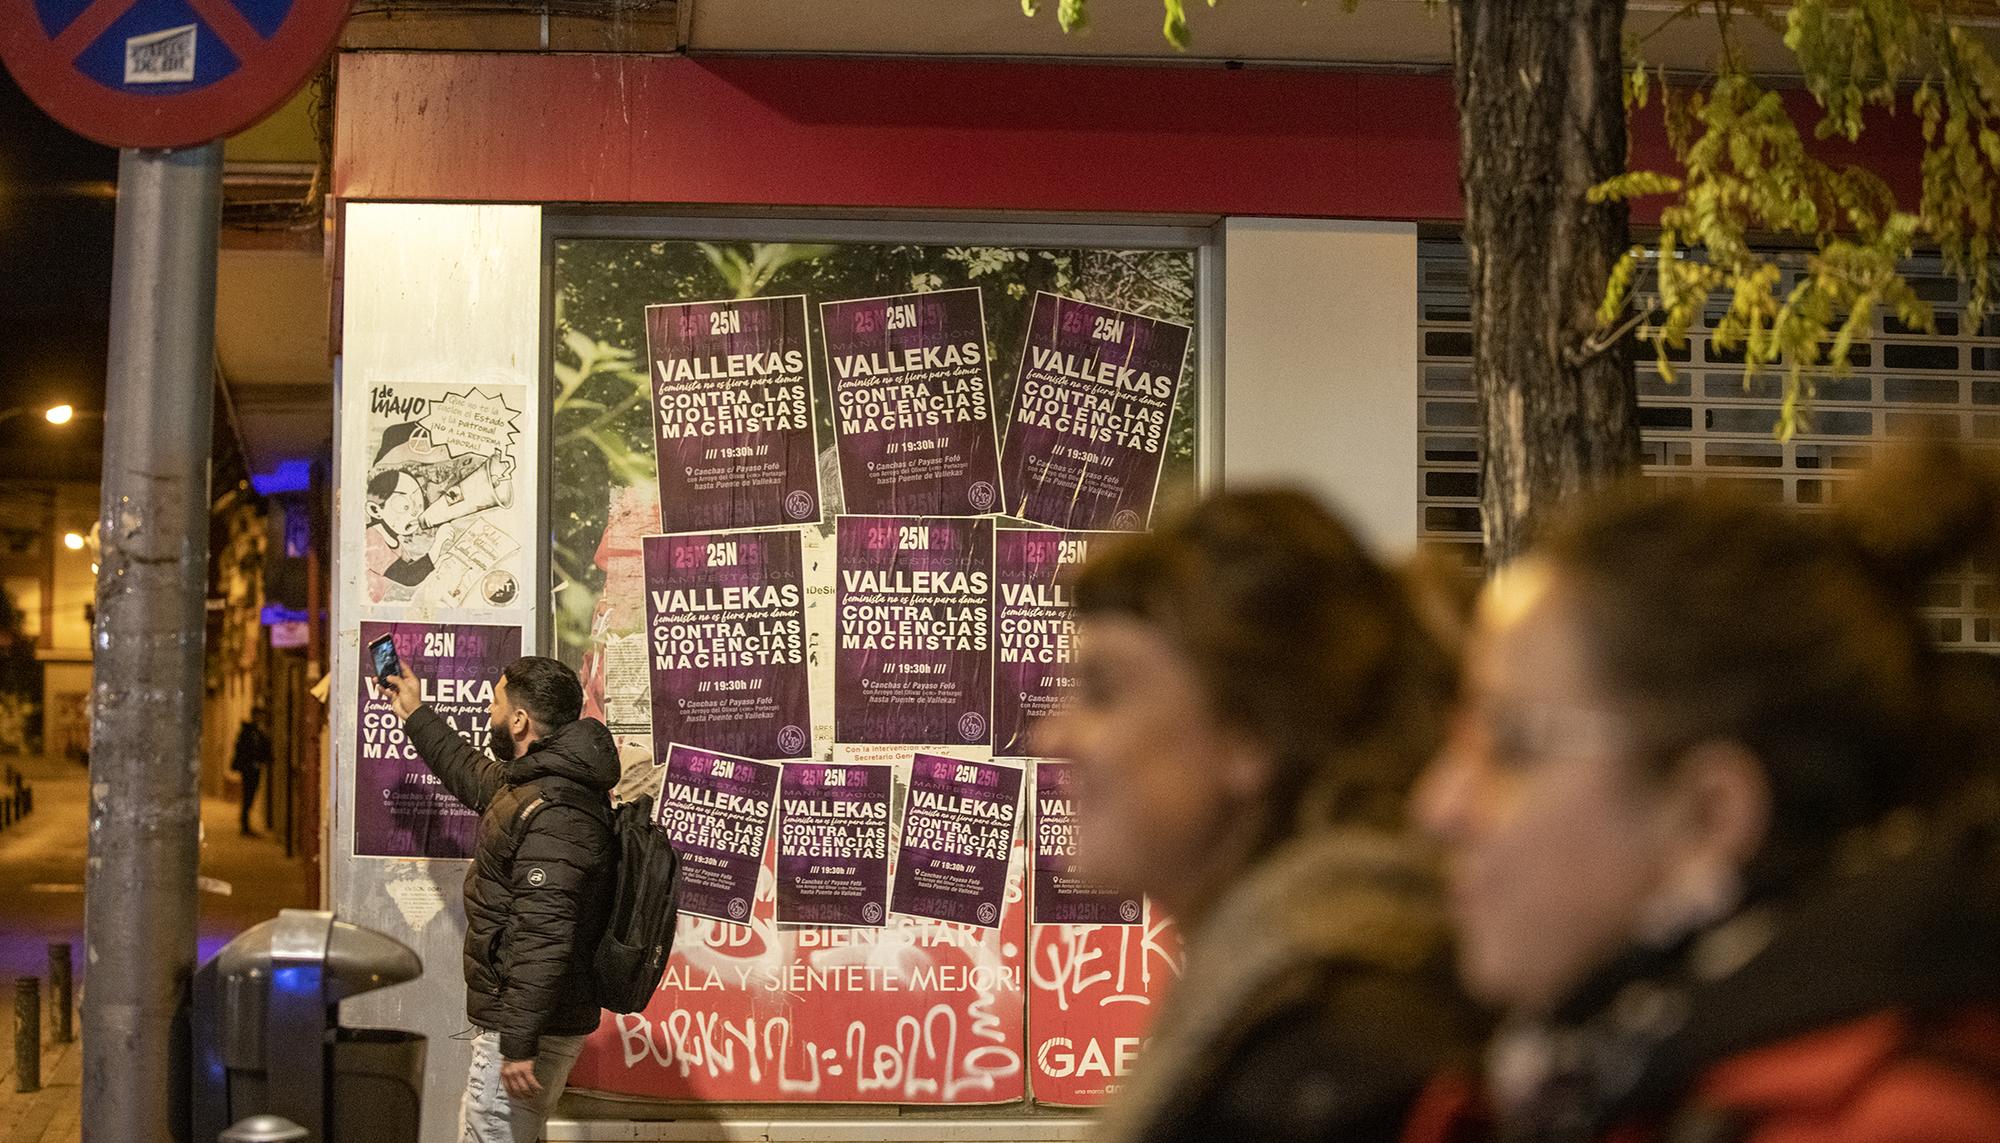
(440, 500)
(487, 486)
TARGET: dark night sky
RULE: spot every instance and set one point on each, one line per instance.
(55, 275)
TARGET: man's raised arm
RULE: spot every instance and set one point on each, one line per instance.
(472, 777)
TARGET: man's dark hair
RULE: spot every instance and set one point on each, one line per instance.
(549, 691)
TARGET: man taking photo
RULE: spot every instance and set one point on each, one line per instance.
(538, 895)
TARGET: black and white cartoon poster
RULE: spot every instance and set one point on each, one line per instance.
(444, 529)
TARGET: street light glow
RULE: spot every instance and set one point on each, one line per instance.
(73, 541)
(60, 414)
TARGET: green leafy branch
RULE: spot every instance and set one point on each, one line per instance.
(1074, 16)
(596, 359)
(1748, 174)
(748, 274)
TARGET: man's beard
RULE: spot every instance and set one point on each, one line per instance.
(502, 743)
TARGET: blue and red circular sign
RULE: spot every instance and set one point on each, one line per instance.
(164, 73)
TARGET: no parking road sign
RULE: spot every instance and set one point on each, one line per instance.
(164, 73)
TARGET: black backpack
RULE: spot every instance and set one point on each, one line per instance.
(645, 900)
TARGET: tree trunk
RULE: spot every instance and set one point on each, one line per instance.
(1541, 120)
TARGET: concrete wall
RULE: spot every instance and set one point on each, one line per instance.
(440, 294)
(1320, 361)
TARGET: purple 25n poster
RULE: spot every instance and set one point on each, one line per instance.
(1092, 404)
(913, 626)
(958, 836)
(1033, 670)
(1061, 895)
(400, 807)
(716, 810)
(732, 413)
(913, 403)
(726, 640)
(833, 844)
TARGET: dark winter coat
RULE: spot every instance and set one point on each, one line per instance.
(253, 749)
(1316, 1003)
(535, 905)
(1868, 1011)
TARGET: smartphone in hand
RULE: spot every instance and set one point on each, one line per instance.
(382, 653)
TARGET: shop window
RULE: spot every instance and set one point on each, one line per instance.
(1453, 484)
(603, 473)
(1946, 325)
(731, 334)
(1460, 450)
(1665, 453)
(1450, 415)
(1458, 379)
(1770, 386)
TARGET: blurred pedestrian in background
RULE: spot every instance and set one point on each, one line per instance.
(253, 754)
(1692, 808)
(1256, 697)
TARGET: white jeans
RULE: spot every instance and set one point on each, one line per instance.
(487, 1114)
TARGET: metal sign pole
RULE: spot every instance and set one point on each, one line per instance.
(146, 693)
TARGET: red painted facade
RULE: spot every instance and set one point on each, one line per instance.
(925, 134)
(894, 134)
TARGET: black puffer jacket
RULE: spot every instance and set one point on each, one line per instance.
(536, 904)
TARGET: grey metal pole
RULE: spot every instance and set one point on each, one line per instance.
(145, 804)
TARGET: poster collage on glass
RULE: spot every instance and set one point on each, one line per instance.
(841, 718)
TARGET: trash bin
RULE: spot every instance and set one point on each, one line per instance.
(267, 1040)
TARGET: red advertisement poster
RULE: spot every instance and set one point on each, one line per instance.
(915, 1012)
(1093, 991)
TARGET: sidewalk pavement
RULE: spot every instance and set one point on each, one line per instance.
(246, 880)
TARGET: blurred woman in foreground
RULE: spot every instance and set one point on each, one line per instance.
(1689, 805)
(1256, 698)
